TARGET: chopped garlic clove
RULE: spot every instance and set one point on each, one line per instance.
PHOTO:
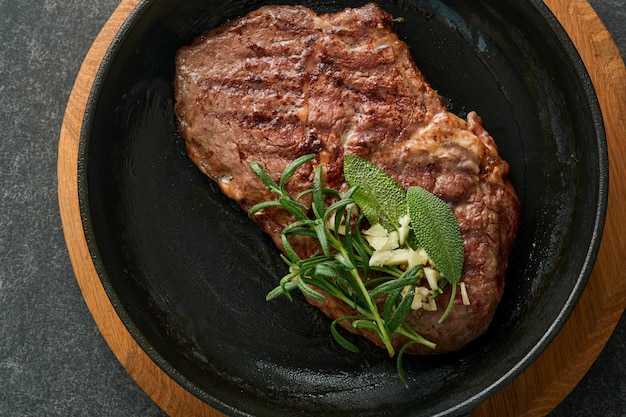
(379, 243)
(432, 276)
(379, 258)
(431, 305)
(421, 295)
(389, 242)
(423, 291)
(416, 304)
(464, 296)
(403, 232)
(393, 241)
(379, 239)
(376, 230)
(398, 257)
(419, 257)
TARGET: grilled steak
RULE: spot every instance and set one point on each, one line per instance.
(283, 82)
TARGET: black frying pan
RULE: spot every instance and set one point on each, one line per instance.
(188, 272)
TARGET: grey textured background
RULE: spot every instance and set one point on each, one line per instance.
(53, 360)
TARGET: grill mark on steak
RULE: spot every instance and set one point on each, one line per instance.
(283, 82)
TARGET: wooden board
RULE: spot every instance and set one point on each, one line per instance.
(536, 391)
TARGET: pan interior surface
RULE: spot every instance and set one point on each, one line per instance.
(188, 272)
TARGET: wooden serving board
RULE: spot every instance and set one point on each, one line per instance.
(537, 390)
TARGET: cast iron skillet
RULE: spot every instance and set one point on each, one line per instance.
(187, 271)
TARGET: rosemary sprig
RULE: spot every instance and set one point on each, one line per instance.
(342, 267)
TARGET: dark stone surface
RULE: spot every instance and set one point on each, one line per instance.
(53, 360)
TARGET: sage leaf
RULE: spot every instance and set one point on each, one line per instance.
(437, 231)
(378, 196)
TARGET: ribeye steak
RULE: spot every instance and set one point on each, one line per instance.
(283, 82)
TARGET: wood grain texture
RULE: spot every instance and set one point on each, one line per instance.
(537, 390)
(163, 390)
(563, 364)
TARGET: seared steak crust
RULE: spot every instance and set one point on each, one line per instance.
(283, 82)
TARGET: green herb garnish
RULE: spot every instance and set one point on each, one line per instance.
(379, 197)
(343, 268)
(438, 232)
